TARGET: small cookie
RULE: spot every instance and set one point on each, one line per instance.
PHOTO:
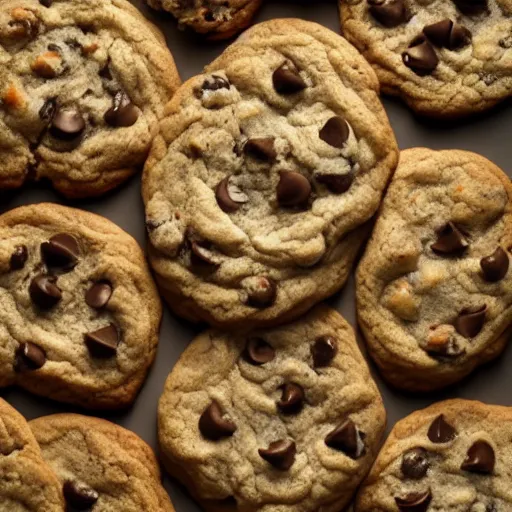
(445, 58)
(453, 456)
(79, 312)
(434, 288)
(216, 19)
(101, 467)
(27, 484)
(264, 173)
(284, 420)
(81, 92)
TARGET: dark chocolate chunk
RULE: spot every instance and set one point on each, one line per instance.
(447, 34)
(258, 352)
(123, 112)
(67, 124)
(292, 399)
(202, 254)
(414, 501)
(61, 251)
(347, 439)
(441, 431)
(471, 7)
(470, 321)
(281, 454)
(389, 13)
(46, 3)
(261, 291)
(214, 83)
(103, 342)
(415, 464)
(212, 424)
(450, 241)
(79, 496)
(335, 132)
(293, 189)
(495, 266)
(336, 183)
(29, 357)
(229, 196)
(323, 351)
(480, 458)
(261, 148)
(287, 80)
(421, 57)
(98, 295)
(44, 291)
(19, 257)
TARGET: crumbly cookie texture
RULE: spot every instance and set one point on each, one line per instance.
(79, 312)
(434, 288)
(216, 19)
(282, 420)
(27, 484)
(264, 172)
(445, 58)
(101, 466)
(81, 92)
(454, 455)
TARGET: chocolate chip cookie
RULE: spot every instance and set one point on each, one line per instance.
(453, 456)
(284, 420)
(27, 484)
(434, 288)
(215, 19)
(82, 89)
(445, 58)
(79, 313)
(263, 175)
(101, 467)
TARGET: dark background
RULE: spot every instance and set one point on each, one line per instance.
(489, 135)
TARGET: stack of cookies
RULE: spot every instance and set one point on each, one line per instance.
(266, 179)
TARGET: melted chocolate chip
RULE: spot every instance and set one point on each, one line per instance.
(450, 241)
(336, 183)
(471, 7)
(292, 399)
(214, 83)
(441, 431)
(44, 291)
(293, 189)
(287, 80)
(47, 111)
(258, 352)
(229, 196)
(212, 424)
(29, 357)
(447, 34)
(389, 13)
(46, 3)
(98, 295)
(415, 464)
(421, 57)
(261, 148)
(470, 321)
(414, 502)
(67, 124)
(335, 132)
(495, 266)
(123, 112)
(323, 351)
(347, 439)
(103, 342)
(18, 257)
(261, 291)
(480, 458)
(61, 251)
(281, 454)
(202, 254)
(78, 495)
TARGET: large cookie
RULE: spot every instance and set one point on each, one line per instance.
(265, 170)
(453, 456)
(434, 288)
(445, 58)
(82, 87)
(101, 467)
(282, 420)
(27, 484)
(216, 19)
(79, 313)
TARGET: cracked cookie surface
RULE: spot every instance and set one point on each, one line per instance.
(101, 466)
(454, 455)
(79, 312)
(265, 171)
(287, 419)
(82, 89)
(27, 484)
(216, 19)
(445, 58)
(434, 287)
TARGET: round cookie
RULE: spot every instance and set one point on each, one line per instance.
(101, 466)
(27, 484)
(434, 288)
(265, 171)
(79, 312)
(216, 19)
(454, 455)
(445, 58)
(286, 420)
(82, 90)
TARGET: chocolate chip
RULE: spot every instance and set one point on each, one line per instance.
(292, 399)
(495, 266)
(293, 189)
(450, 240)
(323, 351)
(421, 57)
(470, 321)
(29, 357)
(261, 291)
(471, 7)
(18, 257)
(414, 501)
(67, 124)
(261, 148)
(61, 251)
(202, 254)
(212, 424)
(447, 34)
(229, 196)
(441, 431)
(79, 495)
(47, 111)
(480, 458)
(335, 132)
(105, 72)
(44, 291)
(336, 183)
(506, 42)
(46, 3)
(98, 295)
(214, 83)
(347, 439)
(281, 454)
(415, 464)
(123, 112)
(103, 342)
(258, 352)
(389, 13)
(287, 80)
